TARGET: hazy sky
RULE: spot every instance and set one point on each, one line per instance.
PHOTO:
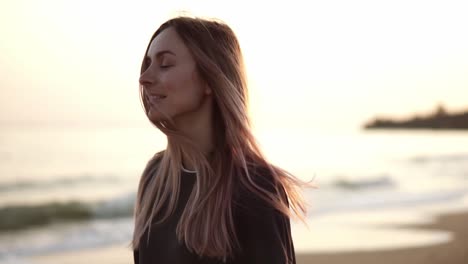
(310, 63)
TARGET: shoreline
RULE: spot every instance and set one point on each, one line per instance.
(455, 251)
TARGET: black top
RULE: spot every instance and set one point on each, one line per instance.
(263, 232)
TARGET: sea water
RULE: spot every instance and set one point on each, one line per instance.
(71, 188)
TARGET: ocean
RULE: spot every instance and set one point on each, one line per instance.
(72, 188)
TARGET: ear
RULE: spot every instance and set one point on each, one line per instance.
(208, 90)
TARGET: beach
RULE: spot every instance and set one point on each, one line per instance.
(377, 202)
(454, 251)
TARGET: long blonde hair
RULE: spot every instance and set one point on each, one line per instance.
(206, 225)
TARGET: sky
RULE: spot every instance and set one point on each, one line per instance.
(309, 63)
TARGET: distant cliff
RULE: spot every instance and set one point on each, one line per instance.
(440, 119)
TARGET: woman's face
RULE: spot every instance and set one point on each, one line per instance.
(170, 80)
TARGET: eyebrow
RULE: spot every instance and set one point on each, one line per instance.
(162, 52)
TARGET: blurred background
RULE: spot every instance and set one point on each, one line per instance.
(367, 98)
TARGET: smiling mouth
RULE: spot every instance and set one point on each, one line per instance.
(156, 98)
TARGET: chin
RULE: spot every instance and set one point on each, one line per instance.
(155, 116)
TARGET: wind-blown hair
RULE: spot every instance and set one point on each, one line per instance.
(206, 225)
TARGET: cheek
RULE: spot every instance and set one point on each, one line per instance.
(176, 80)
(185, 82)
(184, 90)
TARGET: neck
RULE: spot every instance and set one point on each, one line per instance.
(199, 128)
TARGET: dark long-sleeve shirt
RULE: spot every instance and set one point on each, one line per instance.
(263, 232)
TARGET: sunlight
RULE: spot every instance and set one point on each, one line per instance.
(301, 62)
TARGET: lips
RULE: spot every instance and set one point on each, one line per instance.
(156, 98)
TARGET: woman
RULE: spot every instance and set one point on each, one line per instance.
(210, 196)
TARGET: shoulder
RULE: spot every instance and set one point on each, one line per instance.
(257, 176)
(152, 165)
(156, 159)
(259, 190)
(263, 230)
(150, 170)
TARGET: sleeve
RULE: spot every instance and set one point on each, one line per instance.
(266, 234)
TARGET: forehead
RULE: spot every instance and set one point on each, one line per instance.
(168, 40)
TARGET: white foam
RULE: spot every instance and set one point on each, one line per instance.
(15, 260)
(66, 237)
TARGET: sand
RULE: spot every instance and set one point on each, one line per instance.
(453, 252)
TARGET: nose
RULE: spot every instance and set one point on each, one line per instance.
(146, 80)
